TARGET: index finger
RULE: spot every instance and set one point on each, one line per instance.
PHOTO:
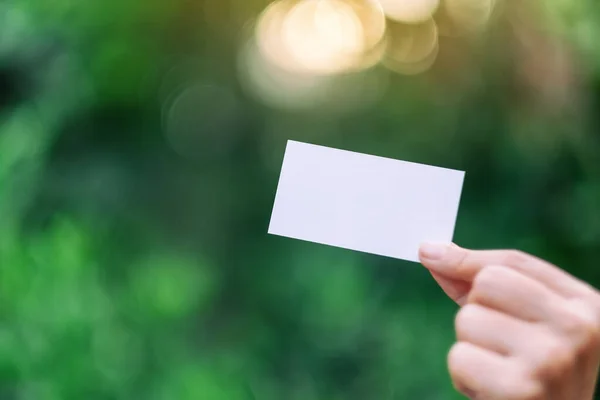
(455, 262)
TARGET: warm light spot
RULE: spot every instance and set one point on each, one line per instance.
(283, 89)
(409, 11)
(372, 57)
(371, 16)
(410, 43)
(323, 37)
(275, 86)
(447, 27)
(268, 34)
(414, 68)
(307, 54)
(469, 15)
(374, 25)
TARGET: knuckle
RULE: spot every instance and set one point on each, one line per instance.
(466, 317)
(594, 296)
(515, 257)
(519, 384)
(461, 261)
(557, 358)
(582, 325)
(486, 278)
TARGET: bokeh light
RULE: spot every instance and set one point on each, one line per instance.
(282, 89)
(323, 36)
(469, 15)
(268, 35)
(276, 86)
(299, 48)
(412, 47)
(302, 51)
(371, 15)
(319, 37)
(410, 11)
(416, 67)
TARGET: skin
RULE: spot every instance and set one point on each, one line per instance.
(526, 330)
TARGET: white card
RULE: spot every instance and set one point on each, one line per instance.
(365, 203)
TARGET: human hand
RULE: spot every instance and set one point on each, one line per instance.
(526, 329)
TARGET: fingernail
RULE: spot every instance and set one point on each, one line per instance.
(433, 251)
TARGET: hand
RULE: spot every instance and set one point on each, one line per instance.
(526, 329)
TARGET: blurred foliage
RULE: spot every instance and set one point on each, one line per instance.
(135, 268)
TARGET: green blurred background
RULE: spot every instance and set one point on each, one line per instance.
(134, 258)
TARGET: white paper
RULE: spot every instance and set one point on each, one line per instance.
(365, 203)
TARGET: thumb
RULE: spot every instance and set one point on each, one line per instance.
(455, 287)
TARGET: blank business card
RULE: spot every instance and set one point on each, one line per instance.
(362, 202)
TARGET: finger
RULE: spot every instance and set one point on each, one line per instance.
(488, 375)
(455, 262)
(569, 329)
(455, 289)
(515, 294)
(550, 357)
(492, 330)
